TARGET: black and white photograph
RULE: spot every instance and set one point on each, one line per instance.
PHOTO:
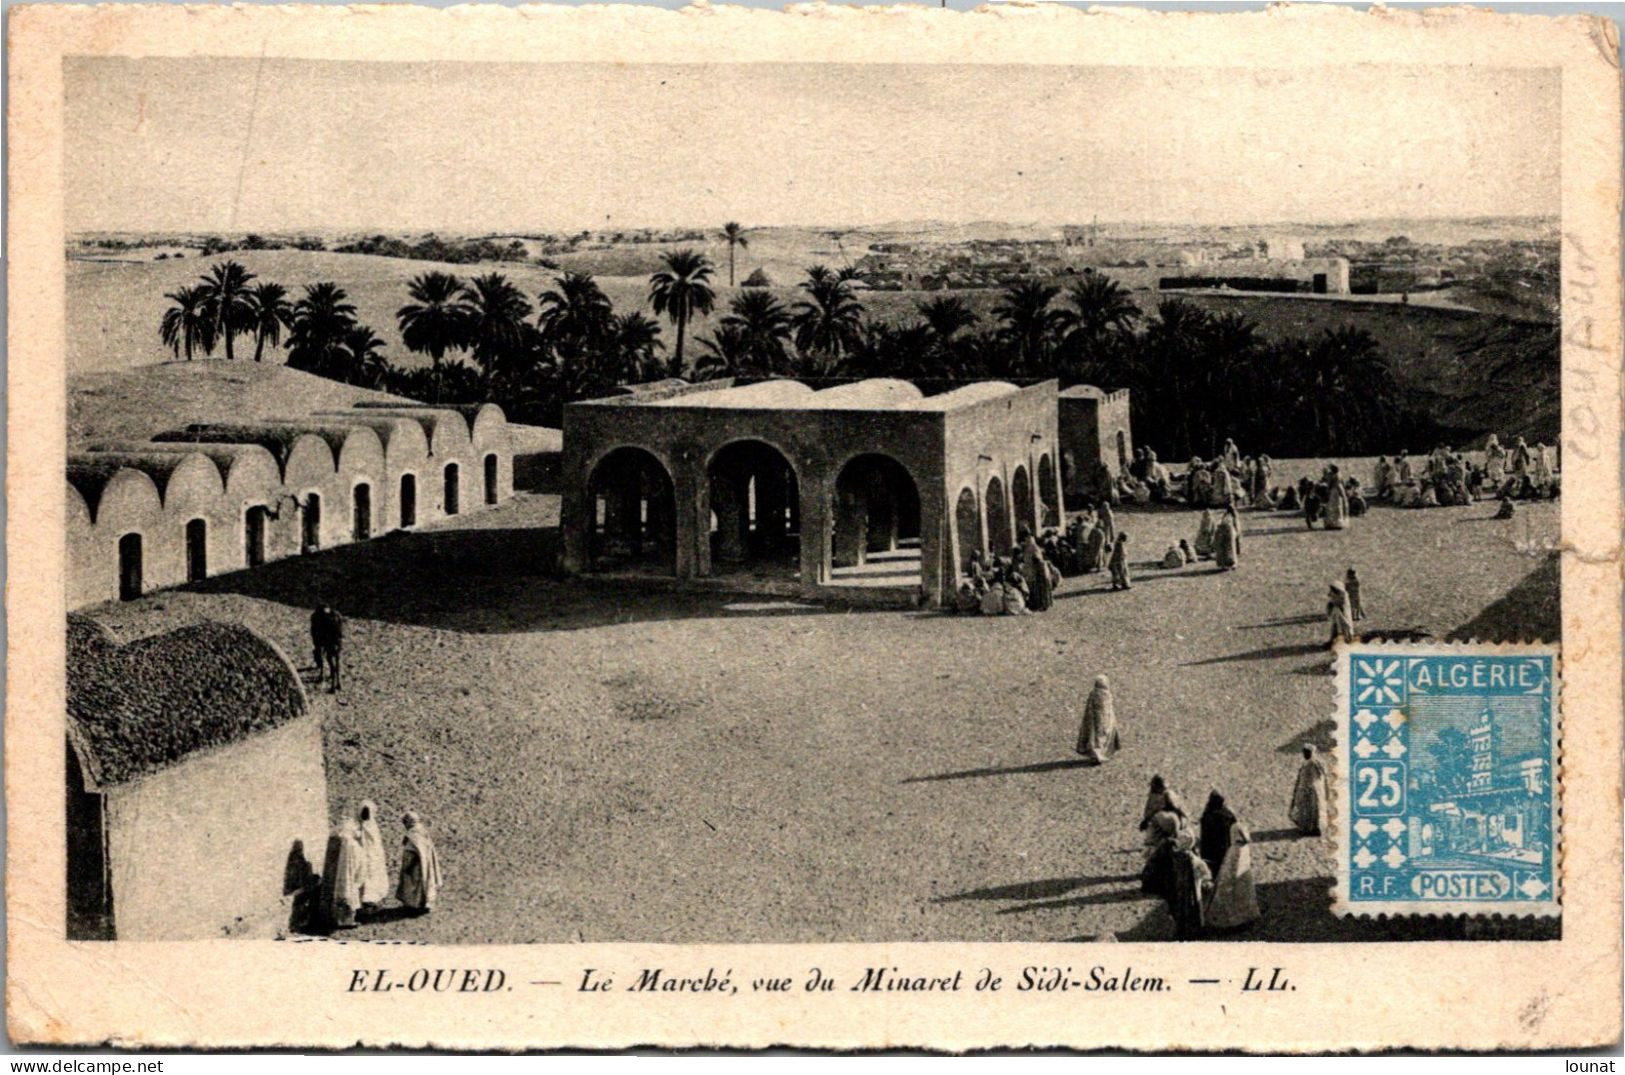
(779, 502)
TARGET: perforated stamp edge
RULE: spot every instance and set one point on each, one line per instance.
(1549, 906)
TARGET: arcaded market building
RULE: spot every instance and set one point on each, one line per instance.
(869, 491)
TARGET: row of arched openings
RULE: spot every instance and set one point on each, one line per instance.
(1001, 538)
(755, 517)
(256, 526)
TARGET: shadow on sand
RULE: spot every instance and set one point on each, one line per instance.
(480, 581)
(1011, 770)
(1267, 653)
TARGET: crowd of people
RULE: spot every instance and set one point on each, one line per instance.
(1204, 870)
(1447, 477)
(355, 882)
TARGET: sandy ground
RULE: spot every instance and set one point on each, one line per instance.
(621, 763)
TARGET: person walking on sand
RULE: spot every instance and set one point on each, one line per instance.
(1160, 799)
(1214, 831)
(327, 640)
(374, 866)
(1308, 810)
(1338, 615)
(341, 876)
(420, 867)
(1190, 883)
(1227, 542)
(1204, 535)
(1097, 735)
(1235, 898)
(1119, 564)
(1336, 509)
(1351, 586)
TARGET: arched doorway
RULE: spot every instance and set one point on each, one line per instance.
(197, 550)
(129, 567)
(491, 478)
(755, 501)
(409, 500)
(90, 889)
(255, 524)
(361, 512)
(999, 539)
(876, 512)
(968, 527)
(632, 514)
(1021, 491)
(312, 535)
(1049, 493)
(452, 499)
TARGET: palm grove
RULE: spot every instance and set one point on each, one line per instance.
(1197, 377)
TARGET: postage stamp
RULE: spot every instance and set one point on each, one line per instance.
(1447, 781)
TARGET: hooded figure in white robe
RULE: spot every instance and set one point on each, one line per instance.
(1226, 542)
(1495, 460)
(1308, 809)
(341, 876)
(1336, 509)
(1541, 467)
(1235, 899)
(1204, 535)
(1339, 614)
(375, 884)
(1097, 736)
(420, 866)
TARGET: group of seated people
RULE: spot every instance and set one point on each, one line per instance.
(1024, 580)
(1446, 477)
(1223, 482)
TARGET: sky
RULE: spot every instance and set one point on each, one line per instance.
(228, 144)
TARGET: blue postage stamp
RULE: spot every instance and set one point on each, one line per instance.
(1447, 780)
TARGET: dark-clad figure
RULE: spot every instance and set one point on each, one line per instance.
(1308, 809)
(1215, 832)
(420, 867)
(1160, 799)
(327, 639)
(1119, 564)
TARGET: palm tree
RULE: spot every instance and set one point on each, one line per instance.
(946, 316)
(496, 324)
(316, 336)
(271, 315)
(725, 354)
(1098, 313)
(764, 324)
(575, 315)
(1347, 386)
(436, 320)
(187, 326)
(363, 352)
(637, 338)
(225, 288)
(1029, 323)
(681, 290)
(828, 321)
(735, 235)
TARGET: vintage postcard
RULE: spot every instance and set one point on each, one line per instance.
(845, 527)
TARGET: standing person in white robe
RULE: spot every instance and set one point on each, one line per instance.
(1231, 455)
(420, 867)
(375, 884)
(1336, 511)
(1339, 614)
(1204, 535)
(1227, 542)
(341, 876)
(1402, 467)
(1235, 899)
(1540, 471)
(1495, 461)
(1224, 488)
(1308, 811)
(1097, 735)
